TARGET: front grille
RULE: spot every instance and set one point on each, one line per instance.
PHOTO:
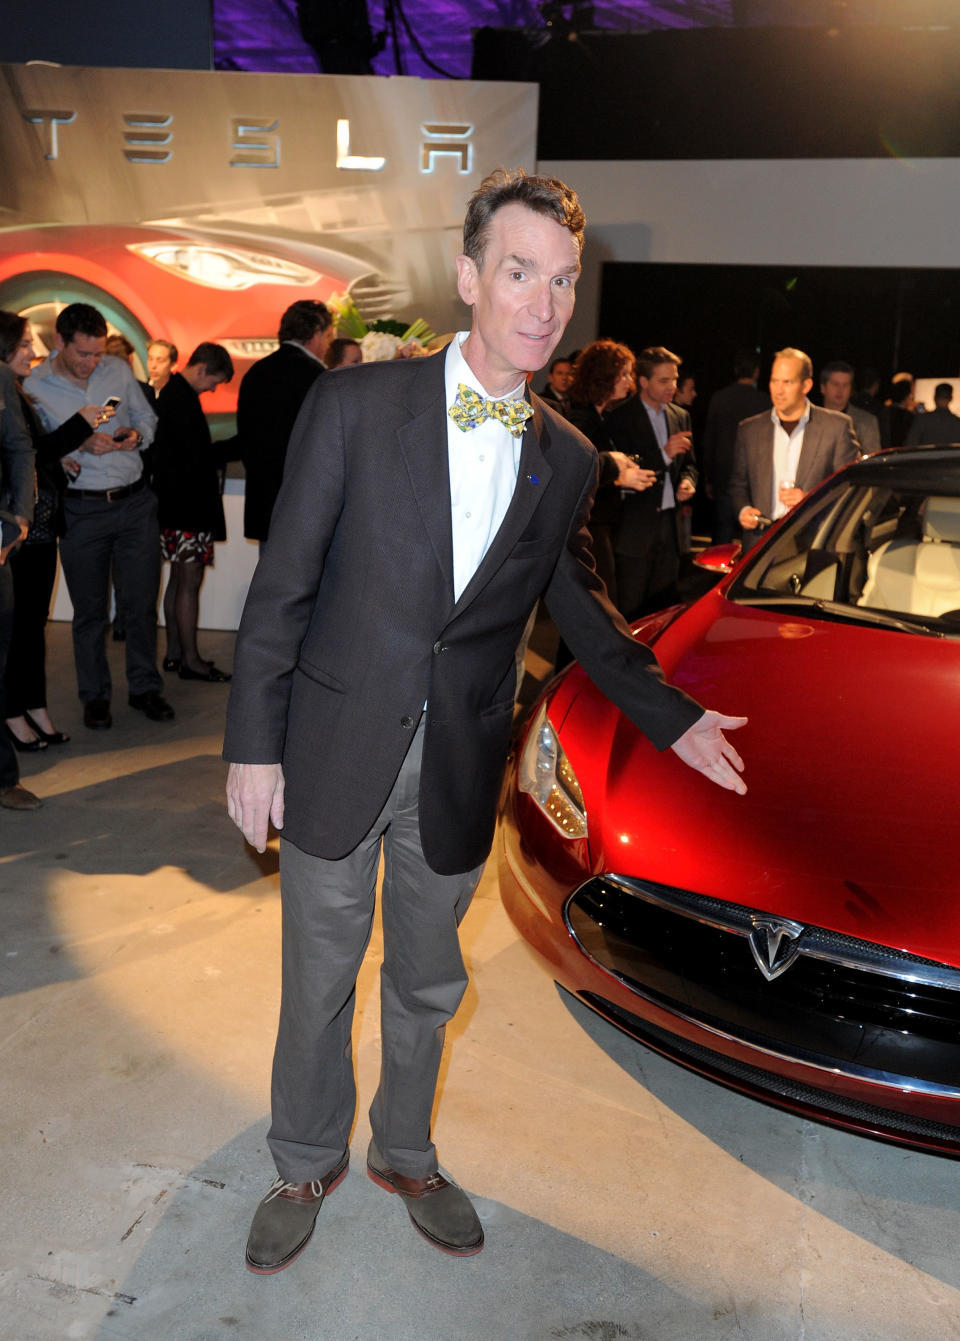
(870, 1010)
(781, 1090)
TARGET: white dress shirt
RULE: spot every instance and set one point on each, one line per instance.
(483, 463)
(658, 422)
(786, 457)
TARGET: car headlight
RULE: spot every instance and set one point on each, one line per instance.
(544, 772)
(223, 267)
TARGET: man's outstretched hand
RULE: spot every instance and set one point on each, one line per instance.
(254, 798)
(704, 747)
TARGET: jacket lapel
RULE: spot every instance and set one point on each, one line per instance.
(761, 496)
(423, 445)
(808, 468)
(533, 476)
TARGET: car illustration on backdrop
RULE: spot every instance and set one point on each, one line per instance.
(800, 944)
(185, 285)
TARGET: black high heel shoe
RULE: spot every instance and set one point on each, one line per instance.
(48, 737)
(25, 746)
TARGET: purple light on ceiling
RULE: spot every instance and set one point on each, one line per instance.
(265, 34)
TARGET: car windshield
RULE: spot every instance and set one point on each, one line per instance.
(881, 546)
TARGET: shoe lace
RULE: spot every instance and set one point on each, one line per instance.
(280, 1185)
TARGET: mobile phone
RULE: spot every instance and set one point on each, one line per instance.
(112, 403)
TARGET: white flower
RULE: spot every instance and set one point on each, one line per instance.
(379, 347)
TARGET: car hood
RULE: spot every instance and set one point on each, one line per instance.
(852, 763)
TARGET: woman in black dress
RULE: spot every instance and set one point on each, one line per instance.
(603, 376)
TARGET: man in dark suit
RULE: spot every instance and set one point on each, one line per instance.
(557, 390)
(271, 394)
(426, 505)
(650, 428)
(781, 455)
(728, 407)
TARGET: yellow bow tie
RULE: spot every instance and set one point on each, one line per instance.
(471, 409)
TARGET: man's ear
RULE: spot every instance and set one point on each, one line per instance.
(467, 280)
(58, 340)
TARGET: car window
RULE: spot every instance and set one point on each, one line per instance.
(876, 546)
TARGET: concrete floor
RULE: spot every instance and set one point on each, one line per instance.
(622, 1197)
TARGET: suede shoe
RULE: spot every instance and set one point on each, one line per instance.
(18, 798)
(284, 1220)
(440, 1210)
(96, 714)
(153, 704)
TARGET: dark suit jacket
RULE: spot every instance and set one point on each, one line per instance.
(351, 623)
(728, 408)
(829, 442)
(631, 432)
(186, 463)
(271, 394)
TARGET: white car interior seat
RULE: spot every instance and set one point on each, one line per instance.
(919, 577)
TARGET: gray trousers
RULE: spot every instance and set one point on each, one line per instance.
(328, 909)
(124, 533)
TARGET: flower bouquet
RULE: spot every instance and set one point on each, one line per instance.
(382, 339)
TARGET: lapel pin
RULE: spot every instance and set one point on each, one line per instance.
(534, 479)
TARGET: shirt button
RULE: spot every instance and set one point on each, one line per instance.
(406, 722)
(468, 514)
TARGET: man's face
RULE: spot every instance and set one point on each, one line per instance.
(660, 386)
(837, 389)
(789, 388)
(159, 363)
(351, 354)
(561, 377)
(320, 342)
(207, 381)
(522, 297)
(78, 359)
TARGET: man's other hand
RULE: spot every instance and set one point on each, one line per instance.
(704, 747)
(98, 444)
(685, 489)
(254, 798)
(678, 442)
(749, 518)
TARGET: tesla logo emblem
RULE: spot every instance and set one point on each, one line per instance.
(773, 944)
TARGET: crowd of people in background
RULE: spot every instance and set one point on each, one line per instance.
(118, 475)
(756, 453)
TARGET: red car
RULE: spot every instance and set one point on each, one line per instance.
(800, 944)
(180, 284)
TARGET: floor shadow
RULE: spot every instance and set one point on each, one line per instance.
(904, 1201)
(367, 1275)
(169, 815)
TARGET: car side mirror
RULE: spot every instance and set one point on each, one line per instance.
(719, 558)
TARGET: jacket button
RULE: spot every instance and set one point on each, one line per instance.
(437, 648)
(406, 722)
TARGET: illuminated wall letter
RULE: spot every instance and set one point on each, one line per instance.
(352, 162)
(50, 120)
(255, 152)
(147, 136)
(446, 138)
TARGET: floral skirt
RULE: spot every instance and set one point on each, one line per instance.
(187, 546)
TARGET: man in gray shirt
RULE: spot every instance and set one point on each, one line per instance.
(836, 388)
(110, 514)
